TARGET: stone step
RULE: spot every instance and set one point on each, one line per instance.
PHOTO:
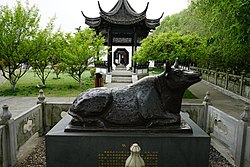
(121, 75)
(120, 67)
(118, 73)
(121, 80)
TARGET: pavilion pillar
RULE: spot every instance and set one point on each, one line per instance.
(134, 48)
(109, 51)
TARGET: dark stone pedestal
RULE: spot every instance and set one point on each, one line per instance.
(111, 149)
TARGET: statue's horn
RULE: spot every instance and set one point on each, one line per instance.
(167, 67)
(176, 63)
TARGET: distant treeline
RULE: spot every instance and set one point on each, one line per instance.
(225, 28)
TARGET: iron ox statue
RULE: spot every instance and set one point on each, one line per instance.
(152, 102)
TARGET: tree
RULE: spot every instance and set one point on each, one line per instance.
(43, 58)
(83, 49)
(169, 45)
(58, 45)
(18, 29)
(225, 25)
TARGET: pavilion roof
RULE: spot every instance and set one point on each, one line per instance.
(122, 14)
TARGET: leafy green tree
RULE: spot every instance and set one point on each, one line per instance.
(169, 45)
(58, 45)
(42, 59)
(18, 30)
(225, 25)
(83, 49)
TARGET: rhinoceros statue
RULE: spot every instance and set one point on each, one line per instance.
(150, 102)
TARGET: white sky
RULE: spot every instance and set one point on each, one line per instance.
(68, 12)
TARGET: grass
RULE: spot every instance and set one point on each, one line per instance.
(189, 95)
(66, 86)
(155, 71)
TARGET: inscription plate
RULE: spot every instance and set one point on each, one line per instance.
(118, 158)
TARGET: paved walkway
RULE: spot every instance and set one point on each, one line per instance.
(227, 104)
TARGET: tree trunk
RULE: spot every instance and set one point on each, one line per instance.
(80, 79)
(13, 85)
(43, 81)
(80, 82)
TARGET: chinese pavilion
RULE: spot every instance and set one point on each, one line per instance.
(122, 26)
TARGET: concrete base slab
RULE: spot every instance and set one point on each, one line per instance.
(106, 149)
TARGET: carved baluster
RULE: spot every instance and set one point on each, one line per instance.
(41, 97)
(135, 160)
(6, 115)
(43, 123)
(242, 135)
(227, 79)
(245, 116)
(207, 98)
(216, 77)
(242, 82)
(206, 123)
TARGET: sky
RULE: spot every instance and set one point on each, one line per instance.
(68, 12)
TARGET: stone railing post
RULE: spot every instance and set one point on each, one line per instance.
(6, 115)
(206, 102)
(242, 82)
(135, 160)
(41, 97)
(227, 79)
(42, 101)
(10, 140)
(216, 77)
(242, 143)
(208, 73)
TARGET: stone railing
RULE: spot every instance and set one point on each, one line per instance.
(232, 133)
(239, 85)
(196, 112)
(14, 132)
(142, 70)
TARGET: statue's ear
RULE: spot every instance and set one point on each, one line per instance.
(167, 67)
(176, 63)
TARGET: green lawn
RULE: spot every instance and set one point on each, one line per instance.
(155, 71)
(65, 86)
(189, 95)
